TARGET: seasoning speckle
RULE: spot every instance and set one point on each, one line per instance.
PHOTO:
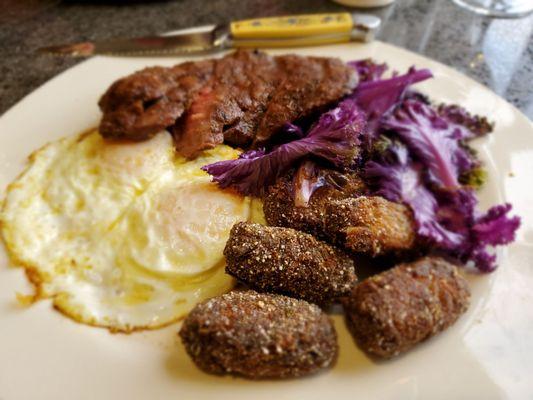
(289, 262)
(393, 311)
(280, 209)
(371, 225)
(259, 335)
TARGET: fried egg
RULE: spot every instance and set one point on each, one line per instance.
(122, 235)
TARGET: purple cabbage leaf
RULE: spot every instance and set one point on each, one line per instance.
(493, 228)
(377, 98)
(465, 125)
(368, 69)
(431, 139)
(480, 231)
(397, 178)
(447, 220)
(308, 178)
(334, 138)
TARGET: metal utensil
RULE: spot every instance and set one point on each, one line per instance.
(289, 31)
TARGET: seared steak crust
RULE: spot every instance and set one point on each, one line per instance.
(140, 105)
(308, 85)
(243, 98)
(229, 105)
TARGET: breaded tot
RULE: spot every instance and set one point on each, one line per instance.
(280, 210)
(259, 335)
(370, 225)
(289, 262)
(390, 313)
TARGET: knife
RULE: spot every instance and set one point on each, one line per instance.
(288, 31)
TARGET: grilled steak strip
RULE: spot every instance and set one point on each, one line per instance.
(308, 85)
(140, 105)
(243, 98)
(229, 104)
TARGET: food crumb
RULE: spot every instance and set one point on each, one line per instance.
(25, 300)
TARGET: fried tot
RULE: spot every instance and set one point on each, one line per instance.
(390, 313)
(370, 225)
(259, 336)
(289, 262)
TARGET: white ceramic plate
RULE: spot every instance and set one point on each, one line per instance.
(486, 355)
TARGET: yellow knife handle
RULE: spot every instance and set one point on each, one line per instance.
(295, 26)
(290, 42)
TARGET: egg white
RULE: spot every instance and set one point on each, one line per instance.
(122, 235)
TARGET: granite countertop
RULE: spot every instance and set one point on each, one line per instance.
(496, 52)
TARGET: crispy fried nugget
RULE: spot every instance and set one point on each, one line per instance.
(391, 312)
(280, 209)
(289, 262)
(370, 225)
(258, 336)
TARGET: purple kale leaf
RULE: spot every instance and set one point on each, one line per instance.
(445, 219)
(368, 69)
(308, 178)
(334, 138)
(466, 125)
(397, 178)
(377, 98)
(432, 140)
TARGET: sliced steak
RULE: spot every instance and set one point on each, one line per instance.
(140, 105)
(228, 105)
(243, 99)
(309, 85)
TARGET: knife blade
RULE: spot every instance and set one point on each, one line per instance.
(289, 31)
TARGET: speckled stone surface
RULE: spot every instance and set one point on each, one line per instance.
(496, 52)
